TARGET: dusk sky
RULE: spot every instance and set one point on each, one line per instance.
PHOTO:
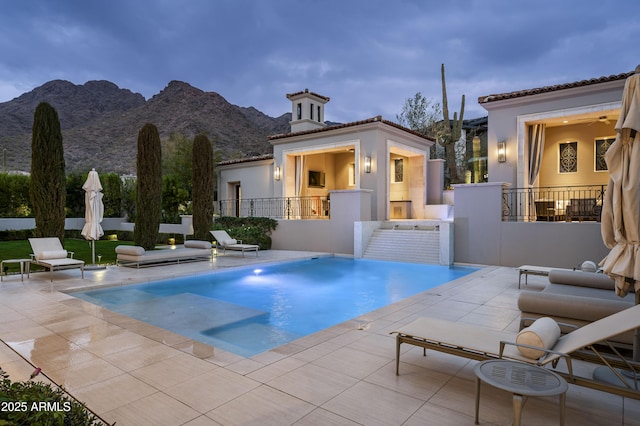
(368, 56)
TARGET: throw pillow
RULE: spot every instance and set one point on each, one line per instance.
(543, 333)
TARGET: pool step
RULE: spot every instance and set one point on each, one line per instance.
(402, 245)
(248, 337)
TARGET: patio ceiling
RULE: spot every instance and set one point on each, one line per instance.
(588, 118)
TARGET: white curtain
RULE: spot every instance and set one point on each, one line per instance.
(536, 149)
(299, 174)
(298, 185)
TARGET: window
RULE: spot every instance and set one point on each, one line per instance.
(352, 174)
(398, 170)
(319, 117)
(311, 111)
(299, 112)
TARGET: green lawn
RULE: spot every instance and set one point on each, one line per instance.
(81, 248)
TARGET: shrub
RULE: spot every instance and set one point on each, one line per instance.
(14, 195)
(112, 190)
(175, 199)
(251, 230)
(60, 410)
(75, 194)
(17, 234)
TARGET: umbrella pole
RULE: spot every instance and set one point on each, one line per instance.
(636, 335)
(93, 266)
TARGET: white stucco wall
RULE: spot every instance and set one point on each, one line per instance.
(255, 178)
(335, 235)
(481, 237)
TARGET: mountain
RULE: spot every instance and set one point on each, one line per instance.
(100, 123)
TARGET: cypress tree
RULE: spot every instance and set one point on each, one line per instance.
(148, 187)
(202, 184)
(47, 189)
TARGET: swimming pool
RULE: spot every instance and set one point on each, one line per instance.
(251, 310)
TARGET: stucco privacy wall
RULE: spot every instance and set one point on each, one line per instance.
(303, 235)
(14, 224)
(481, 237)
(507, 120)
(334, 235)
(555, 244)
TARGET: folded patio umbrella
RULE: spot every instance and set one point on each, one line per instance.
(94, 211)
(621, 206)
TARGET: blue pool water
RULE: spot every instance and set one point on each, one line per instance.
(249, 311)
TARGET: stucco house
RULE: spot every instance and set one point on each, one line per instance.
(547, 176)
(314, 159)
(339, 186)
(371, 170)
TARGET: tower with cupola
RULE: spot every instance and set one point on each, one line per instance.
(307, 111)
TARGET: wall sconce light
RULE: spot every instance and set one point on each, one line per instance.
(276, 173)
(502, 152)
(367, 164)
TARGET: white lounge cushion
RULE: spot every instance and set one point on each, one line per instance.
(543, 333)
(197, 244)
(229, 242)
(52, 254)
(130, 250)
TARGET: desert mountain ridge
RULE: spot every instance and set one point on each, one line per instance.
(100, 123)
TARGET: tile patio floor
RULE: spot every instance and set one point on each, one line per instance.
(133, 373)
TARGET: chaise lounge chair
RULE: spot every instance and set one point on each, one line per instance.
(191, 251)
(225, 242)
(480, 344)
(49, 253)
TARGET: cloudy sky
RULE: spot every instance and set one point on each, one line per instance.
(368, 56)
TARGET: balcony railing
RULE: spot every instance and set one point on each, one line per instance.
(277, 208)
(566, 203)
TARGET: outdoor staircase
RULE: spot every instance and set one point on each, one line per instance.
(418, 245)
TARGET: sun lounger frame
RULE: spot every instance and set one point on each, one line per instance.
(222, 239)
(58, 264)
(448, 337)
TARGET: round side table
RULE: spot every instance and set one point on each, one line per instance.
(522, 380)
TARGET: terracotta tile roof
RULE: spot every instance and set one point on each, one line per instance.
(352, 124)
(246, 159)
(546, 89)
(292, 95)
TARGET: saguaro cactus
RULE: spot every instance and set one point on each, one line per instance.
(451, 133)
